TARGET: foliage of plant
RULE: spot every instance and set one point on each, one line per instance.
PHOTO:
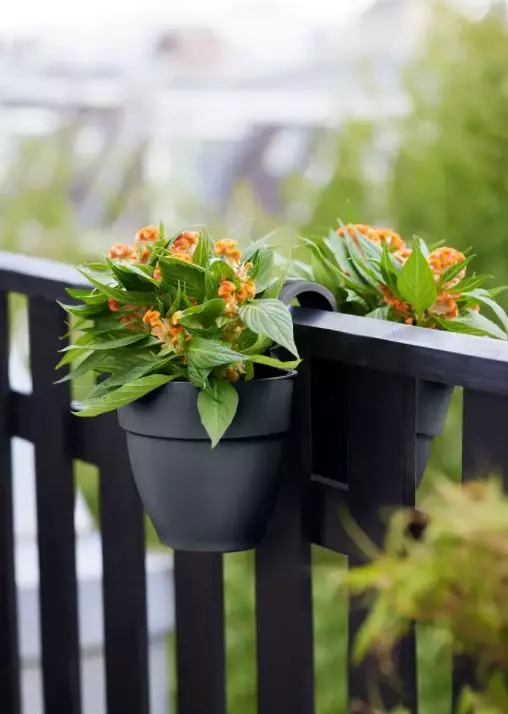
(178, 308)
(373, 272)
(448, 570)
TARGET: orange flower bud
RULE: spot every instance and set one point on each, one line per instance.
(228, 248)
(120, 251)
(247, 291)
(226, 289)
(152, 318)
(148, 234)
(113, 305)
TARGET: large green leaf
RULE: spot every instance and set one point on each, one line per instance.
(175, 271)
(206, 354)
(217, 408)
(110, 344)
(75, 351)
(272, 319)
(416, 281)
(126, 394)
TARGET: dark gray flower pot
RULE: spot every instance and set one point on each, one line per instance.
(204, 499)
(432, 406)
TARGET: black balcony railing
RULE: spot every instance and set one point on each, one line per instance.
(352, 444)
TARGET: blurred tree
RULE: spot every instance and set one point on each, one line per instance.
(449, 178)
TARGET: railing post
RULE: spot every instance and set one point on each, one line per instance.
(9, 654)
(381, 466)
(283, 577)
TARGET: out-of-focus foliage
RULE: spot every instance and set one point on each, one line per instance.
(452, 577)
(449, 179)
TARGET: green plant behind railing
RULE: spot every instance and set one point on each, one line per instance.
(448, 571)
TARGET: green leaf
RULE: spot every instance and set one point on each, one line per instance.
(416, 281)
(389, 271)
(143, 367)
(110, 344)
(198, 377)
(202, 315)
(205, 354)
(175, 271)
(473, 324)
(472, 283)
(218, 270)
(299, 269)
(126, 394)
(262, 272)
(253, 247)
(483, 297)
(217, 408)
(89, 298)
(454, 270)
(204, 249)
(75, 350)
(132, 276)
(126, 297)
(84, 311)
(272, 319)
(380, 313)
(274, 362)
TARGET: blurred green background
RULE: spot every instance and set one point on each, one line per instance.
(437, 170)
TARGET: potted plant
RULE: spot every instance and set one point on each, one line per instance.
(372, 272)
(178, 328)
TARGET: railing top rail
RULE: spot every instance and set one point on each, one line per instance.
(464, 360)
(474, 362)
(36, 277)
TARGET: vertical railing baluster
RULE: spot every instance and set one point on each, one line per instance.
(55, 513)
(283, 577)
(124, 577)
(200, 636)
(484, 453)
(381, 474)
(9, 654)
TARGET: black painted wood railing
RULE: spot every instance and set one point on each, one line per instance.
(352, 443)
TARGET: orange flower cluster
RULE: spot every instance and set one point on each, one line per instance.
(165, 329)
(233, 297)
(184, 245)
(228, 248)
(445, 306)
(379, 236)
(442, 259)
